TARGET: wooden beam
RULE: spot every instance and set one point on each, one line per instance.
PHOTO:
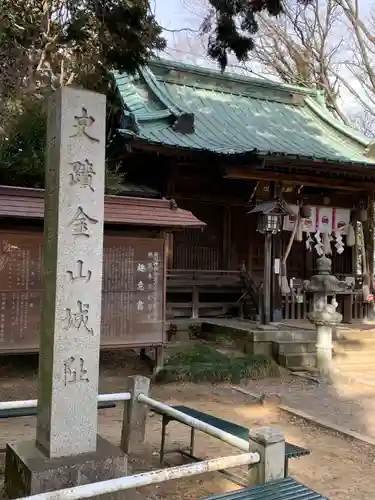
(247, 174)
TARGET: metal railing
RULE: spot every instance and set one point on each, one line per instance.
(33, 403)
(239, 443)
(147, 478)
(134, 422)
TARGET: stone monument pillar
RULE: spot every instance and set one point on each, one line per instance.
(67, 450)
(325, 317)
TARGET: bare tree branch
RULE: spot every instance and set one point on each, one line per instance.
(328, 45)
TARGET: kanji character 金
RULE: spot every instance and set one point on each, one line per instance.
(80, 223)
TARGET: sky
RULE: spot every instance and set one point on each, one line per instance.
(175, 15)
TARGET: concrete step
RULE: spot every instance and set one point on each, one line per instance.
(294, 346)
(294, 360)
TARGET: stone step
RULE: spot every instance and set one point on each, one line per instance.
(294, 346)
(284, 335)
(297, 360)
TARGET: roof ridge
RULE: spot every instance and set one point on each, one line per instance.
(325, 115)
(183, 120)
(231, 77)
(163, 97)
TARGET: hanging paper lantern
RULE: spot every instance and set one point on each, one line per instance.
(307, 224)
(309, 242)
(299, 233)
(339, 244)
(319, 244)
(362, 215)
(350, 237)
(305, 211)
(327, 244)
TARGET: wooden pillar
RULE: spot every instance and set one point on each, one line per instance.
(169, 250)
(368, 232)
(368, 228)
(170, 192)
(250, 244)
(275, 291)
(308, 272)
(371, 223)
(276, 297)
(195, 303)
(227, 230)
(266, 313)
(159, 359)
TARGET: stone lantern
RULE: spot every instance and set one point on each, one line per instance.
(324, 315)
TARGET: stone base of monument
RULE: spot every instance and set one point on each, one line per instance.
(29, 472)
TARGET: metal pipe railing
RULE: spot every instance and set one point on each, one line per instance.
(239, 443)
(147, 478)
(33, 403)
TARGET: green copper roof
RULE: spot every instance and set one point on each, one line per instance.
(183, 106)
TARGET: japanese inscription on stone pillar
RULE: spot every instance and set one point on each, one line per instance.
(73, 250)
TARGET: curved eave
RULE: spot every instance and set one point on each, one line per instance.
(24, 203)
(233, 155)
(171, 110)
(327, 117)
(169, 65)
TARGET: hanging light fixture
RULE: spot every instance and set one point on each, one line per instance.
(271, 215)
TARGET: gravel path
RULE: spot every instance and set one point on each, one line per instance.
(338, 467)
(351, 405)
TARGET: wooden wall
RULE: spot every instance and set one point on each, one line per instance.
(231, 238)
(133, 305)
(197, 249)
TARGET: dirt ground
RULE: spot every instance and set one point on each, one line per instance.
(339, 468)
